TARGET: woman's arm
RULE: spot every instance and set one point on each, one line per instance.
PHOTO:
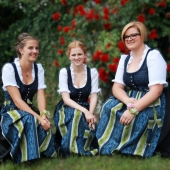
(16, 97)
(93, 102)
(41, 100)
(73, 104)
(154, 92)
(119, 92)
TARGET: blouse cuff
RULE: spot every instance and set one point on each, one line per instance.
(163, 82)
(118, 81)
(14, 85)
(62, 90)
(96, 91)
(42, 87)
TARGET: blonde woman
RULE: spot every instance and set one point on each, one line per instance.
(131, 120)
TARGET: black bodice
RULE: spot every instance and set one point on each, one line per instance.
(27, 91)
(79, 95)
(138, 80)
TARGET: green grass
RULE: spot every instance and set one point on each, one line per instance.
(116, 162)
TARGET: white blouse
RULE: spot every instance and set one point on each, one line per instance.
(63, 86)
(8, 75)
(156, 67)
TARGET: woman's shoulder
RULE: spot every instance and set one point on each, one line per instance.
(154, 54)
(7, 66)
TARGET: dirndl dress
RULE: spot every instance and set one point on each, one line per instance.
(141, 136)
(23, 132)
(73, 135)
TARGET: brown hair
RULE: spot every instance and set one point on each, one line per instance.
(75, 44)
(139, 26)
(21, 41)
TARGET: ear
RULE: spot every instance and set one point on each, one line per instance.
(20, 50)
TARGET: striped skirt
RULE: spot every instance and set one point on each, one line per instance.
(26, 136)
(76, 137)
(140, 137)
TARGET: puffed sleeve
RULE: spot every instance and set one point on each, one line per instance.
(120, 70)
(8, 76)
(41, 81)
(63, 85)
(156, 68)
(94, 81)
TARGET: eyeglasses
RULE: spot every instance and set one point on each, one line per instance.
(132, 36)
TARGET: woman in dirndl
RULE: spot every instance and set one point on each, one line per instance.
(74, 114)
(25, 131)
(131, 120)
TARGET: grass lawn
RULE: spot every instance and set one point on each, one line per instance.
(117, 162)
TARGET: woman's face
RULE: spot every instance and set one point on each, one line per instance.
(77, 56)
(30, 51)
(132, 38)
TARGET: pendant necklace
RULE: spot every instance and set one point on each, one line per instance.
(28, 73)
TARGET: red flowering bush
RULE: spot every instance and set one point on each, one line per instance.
(97, 23)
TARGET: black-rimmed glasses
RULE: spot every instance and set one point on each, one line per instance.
(131, 36)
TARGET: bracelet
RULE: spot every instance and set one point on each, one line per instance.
(134, 111)
(131, 107)
(46, 113)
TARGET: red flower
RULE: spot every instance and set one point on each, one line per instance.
(73, 23)
(168, 67)
(64, 2)
(112, 67)
(104, 57)
(60, 51)
(96, 16)
(103, 75)
(90, 14)
(115, 10)
(66, 29)
(80, 9)
(59, 28)
(151, 11)
(153, 34)
(122, 47)
(97, 1)
(73, 35)
(116, 60)
(96, 55)
(162, 3)
(106, 13)
(123, 2)
(56, 16)
(168, 15)
(108, 45)
(62, 41)
(56, 63)
(106, 17)
(141, 18)
(107, 26)
(55, 46)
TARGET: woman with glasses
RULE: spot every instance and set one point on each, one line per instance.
(74, 115)
(131, 120)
